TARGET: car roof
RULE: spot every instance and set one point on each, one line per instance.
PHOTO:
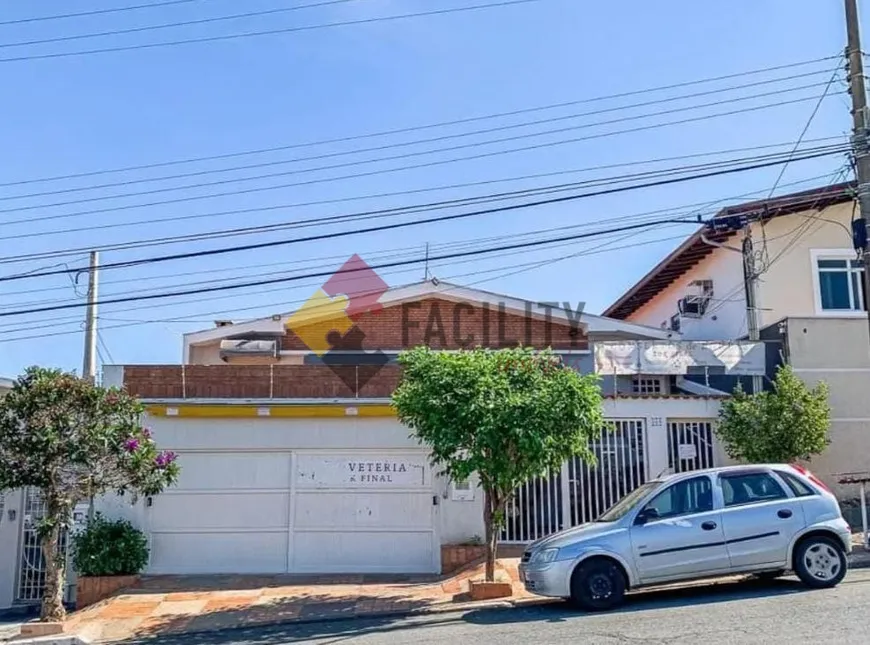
(722, 469)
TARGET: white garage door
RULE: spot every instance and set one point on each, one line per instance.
(229, 513)
(248, 513)
(364, 512)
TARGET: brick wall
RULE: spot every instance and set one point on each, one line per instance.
(444, 324)
(259, 381)
(456, 556)
(439, 323)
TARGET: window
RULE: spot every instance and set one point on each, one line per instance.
(623, 506)
(750, 488)
(647, 385)
(840, 284)
(690, 496)
(797, 487)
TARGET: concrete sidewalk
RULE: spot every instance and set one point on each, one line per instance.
(185, 604)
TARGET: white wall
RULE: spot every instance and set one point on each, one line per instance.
(727, 312)
(9, 536)
(788, 289)
(459, 521)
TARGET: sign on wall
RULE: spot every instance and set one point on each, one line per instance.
(362, 471)
(680, 357)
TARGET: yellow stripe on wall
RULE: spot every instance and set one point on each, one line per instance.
(274, 411)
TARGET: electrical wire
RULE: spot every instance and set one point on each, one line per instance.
(338, 200)
(96, 12)
(763, 255)
(285, 303)
(406, 155)
(319, 274)
(336, 219)
(429, 164)
(446, 137)
(418, 222)
(428, 126)
(693, 209)
(267, 32)
(171, 25)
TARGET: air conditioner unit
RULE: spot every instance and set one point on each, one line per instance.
(695, 303)
(249, 348)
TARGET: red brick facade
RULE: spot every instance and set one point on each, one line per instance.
(443, 324)
(439, 323)
(257, 381)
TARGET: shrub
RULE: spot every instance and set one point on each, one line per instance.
(110, 548)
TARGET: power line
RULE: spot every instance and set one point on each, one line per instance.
(323, 274)
(396, 225)
(383, 133)
(339, 200)
(376, 257)
(169, 25)
(96, 12)
(446, 137)
(268, 32)
(763, 257)
(463, 146)
(384, 171)
(684, 209)
(466, 201)
(285, 303)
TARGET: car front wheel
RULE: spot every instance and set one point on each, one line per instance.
(820, 562)
(598, 584)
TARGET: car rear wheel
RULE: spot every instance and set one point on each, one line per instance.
(598, 584)
(820, 562)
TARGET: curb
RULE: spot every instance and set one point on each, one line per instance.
(446, 608)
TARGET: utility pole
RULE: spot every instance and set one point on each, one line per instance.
(89, 364)
(750, 278)
(860, 144)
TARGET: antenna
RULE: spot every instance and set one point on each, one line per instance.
(426, 266)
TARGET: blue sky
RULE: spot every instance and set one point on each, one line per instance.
(79, 114)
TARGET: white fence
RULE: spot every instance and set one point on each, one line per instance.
(579, 493)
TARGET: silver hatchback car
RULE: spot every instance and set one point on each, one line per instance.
(765, 520)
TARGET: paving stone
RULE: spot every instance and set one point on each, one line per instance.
(179, 608)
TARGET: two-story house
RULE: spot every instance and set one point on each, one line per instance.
(809, 301)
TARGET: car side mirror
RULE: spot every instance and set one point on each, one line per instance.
(645, 516)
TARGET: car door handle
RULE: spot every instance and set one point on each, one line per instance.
(784, 513)
(708, 526)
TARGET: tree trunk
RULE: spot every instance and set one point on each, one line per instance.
(52, 600)
(491, 535)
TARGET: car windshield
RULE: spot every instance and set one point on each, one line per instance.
(623, 506)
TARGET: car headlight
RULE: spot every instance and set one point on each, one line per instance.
(544, 556)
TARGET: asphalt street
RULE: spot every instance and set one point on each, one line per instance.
(776, 612)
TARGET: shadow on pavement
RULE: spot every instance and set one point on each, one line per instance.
(555, 611)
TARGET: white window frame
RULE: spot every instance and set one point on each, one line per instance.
(643, 384)
(831, 254)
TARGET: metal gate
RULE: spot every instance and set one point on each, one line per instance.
(690, 445)
(31, 570)
(620, 468)
(579, 493)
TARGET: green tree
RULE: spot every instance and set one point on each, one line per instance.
(507, 415)
(787, 424)
(73, 441)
